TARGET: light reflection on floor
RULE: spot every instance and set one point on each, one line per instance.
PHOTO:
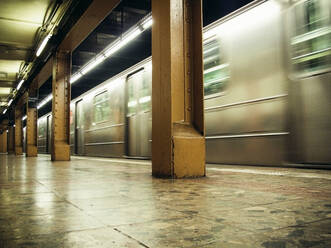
(98, 202)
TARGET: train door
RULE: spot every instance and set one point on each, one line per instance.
(48, 134)
(79, 128)
(138, 115)
(310, 85)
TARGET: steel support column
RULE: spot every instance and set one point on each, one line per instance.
(60, 150)
(31, 131)
(178, 147)
(3, 141)
(18, 130)
(31, 121)
(11, 140)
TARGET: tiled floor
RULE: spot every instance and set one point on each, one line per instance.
(91, 202)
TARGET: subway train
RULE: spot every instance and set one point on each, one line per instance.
(267, 86)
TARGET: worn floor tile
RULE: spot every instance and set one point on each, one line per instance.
(182, 232)
(97, 202)
(102, 238)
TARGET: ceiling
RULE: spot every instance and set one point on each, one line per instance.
(124, 16)
(22, 26)
(120, 20)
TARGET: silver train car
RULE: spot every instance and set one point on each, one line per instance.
(267, 79)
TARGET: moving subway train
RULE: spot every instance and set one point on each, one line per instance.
(267, 83)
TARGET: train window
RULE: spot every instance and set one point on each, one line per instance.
(216, 71)
(145, 95)
(41, 131)
(311, 42)
(101, 107)
(132, 102)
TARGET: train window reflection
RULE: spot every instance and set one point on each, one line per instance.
(311, 44)
(101, 107)
(216, 71)
(139, 93)
(132, 103)
(41, 131)
(144, 96)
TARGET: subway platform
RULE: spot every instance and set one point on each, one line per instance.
(98, 202)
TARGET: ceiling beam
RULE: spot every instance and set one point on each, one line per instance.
(23, 99)
(92, 17)
(45, 73)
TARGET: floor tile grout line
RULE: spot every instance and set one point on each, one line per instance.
(129, 236)
(74, 205)
(61, 197)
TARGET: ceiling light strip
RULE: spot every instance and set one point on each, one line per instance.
(45, 100)
(43, 44)
(114, 47)
(19, 85)
(108, 52)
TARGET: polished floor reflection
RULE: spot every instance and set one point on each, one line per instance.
(94, 202)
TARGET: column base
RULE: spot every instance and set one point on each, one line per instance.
(188, 154)
(60, 152)
(18, 150)
(31, 151)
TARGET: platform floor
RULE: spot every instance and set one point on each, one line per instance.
(92, 202)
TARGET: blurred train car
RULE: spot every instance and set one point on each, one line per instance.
(24, 139)
(267, 81)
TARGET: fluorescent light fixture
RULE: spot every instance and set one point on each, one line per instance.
(131, 36)
(20, 84)
(125, 40)
(45, 100)
(24, 118)
(114, 47)
(10, 102)
(4, 111)
(43, 44)
(145, 99)
(93, 64)
(75, 77)
(148, 23)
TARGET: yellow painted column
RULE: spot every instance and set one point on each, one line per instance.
(18, 131)
(178, 146)
(3, 141)
(11, 140)
(31, 131)
(31, 120)
(60, 149)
